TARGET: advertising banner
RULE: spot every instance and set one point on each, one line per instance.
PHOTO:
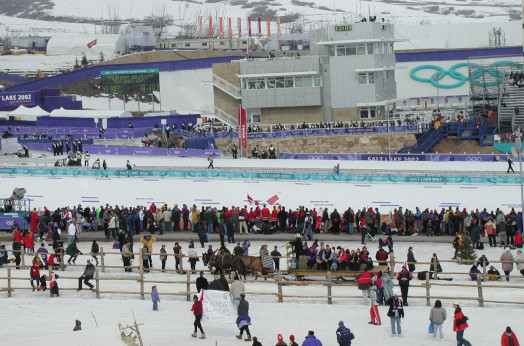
(8, 222)
(242, 128)
(12, 100)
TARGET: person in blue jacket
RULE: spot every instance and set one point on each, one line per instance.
(155, 298)
(344, 335)
(311, 340)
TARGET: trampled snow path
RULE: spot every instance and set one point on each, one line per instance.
(173, 323)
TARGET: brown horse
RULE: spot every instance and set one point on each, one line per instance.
(251, 265)
(223, 262)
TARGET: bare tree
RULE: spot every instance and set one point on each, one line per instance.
(112, 24)
(159, 19)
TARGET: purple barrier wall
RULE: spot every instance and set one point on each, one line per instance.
(158, 151)
(150, 122)
(126, 151)
(93, 150)
(8, 222)
(177, 152)
(108, 151)
(109, 135)
(194, 152)
(141, 151)
(11, 101)
(124, 135)
(208, 152)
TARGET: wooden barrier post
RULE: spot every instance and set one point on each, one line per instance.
(188, 285)
(97, 278)
(484, 273)
(102, 260)
(141, 266)
(479, 286)
(329, 299)
(435, 268)
(428, 301)
(392, 264)
(62, 259)
(8, 282)
(279, 289)
(22, 254)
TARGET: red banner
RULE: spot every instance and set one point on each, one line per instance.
(210, 26)
(268, 27)
(242, 128)
(221, 21)
(230, 28)
(239, 25)
(279, 29)
(249, 26)
(201, 26)
(91, 44)
(259, 27)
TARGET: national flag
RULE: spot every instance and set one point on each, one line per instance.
(249, 199)
(273, 200)
(91, 44)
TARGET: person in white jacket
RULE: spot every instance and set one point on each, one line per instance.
(71, 232)
(519, 260)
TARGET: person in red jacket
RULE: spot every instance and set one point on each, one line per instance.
(509, 338)
(459, 325)
(364, 282)
(34, 220)
(17, 235)
(197, 311)
(35, 275)
(29, 244)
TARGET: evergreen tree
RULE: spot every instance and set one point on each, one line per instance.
(466, 251)
(84, 61)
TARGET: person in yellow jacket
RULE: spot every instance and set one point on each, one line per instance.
(148, 241)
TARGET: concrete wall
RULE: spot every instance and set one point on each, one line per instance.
(222, 100)
(326, 144)
(228, 72)
(291, 115)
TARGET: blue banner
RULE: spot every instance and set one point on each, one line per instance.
(397, 157)
(368, 178)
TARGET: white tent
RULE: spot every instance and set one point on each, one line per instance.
(91, 45)
(86, 113)
(28, 113)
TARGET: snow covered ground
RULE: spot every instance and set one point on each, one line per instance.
(294, 316)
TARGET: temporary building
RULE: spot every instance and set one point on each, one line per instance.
(86, 113)
(141, 36)
(30, 114)
(90, 45)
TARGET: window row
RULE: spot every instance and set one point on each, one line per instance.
(281, 82)
(361, 49)
(370, 77)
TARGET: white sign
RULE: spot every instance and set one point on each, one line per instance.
(218, 307)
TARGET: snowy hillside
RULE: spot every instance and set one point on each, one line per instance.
(79, 14)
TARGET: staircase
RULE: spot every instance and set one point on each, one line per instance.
(512, 97)
(477, 129)
(225, 118)
(227, 87)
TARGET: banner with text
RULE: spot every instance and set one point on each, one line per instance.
(218, 307)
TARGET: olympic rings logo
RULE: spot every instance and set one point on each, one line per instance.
(473, 158)
(476, 72)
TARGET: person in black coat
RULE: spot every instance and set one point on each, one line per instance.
(216, 284)
(297, 246)
(201, 282)
(395, 312)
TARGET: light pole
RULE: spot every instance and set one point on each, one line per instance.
(437, 78)
(518, 147)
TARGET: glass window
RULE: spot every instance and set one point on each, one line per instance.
(252, 84)
(364, 113)
(370, 48)
(244, 42)
(362, 78)
(331, 50)
(341, 50)
(280, 82)
(204, 44)
(308, 81)
(222, 43)
(372, 112)
(351, 49)
(261, 84)
(361, 49)
(371, 78)
(271, 83)
(187, 45)
(316, 81)
(299, 82)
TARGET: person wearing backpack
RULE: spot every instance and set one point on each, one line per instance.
(460, 324)
(344, 335)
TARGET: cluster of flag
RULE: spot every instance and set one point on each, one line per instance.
(274, 200)
(239, 27)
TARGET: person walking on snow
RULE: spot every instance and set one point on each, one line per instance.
(395, 312)
(510, 165)
(197, 311)
(344, 335)
(155, 298)
(243, 320)
(509, 338)
(437, 316)
(459, 325)
(210, 160)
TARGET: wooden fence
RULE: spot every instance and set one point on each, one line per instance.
(278, 278)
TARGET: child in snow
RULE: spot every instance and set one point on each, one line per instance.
(375, 316)
(53, 284)
(155, 298)
(35, 275)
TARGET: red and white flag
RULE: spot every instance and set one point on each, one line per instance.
(91, 44)
(273, 200)
(251, 200)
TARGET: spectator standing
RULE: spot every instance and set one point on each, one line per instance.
(395, 313)
(507, 265)
(311, 340)
(437, 316)
(344, 335)
(197, 312)
(460, 324)
(243, 320)
(155, 298)
(509, 338)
